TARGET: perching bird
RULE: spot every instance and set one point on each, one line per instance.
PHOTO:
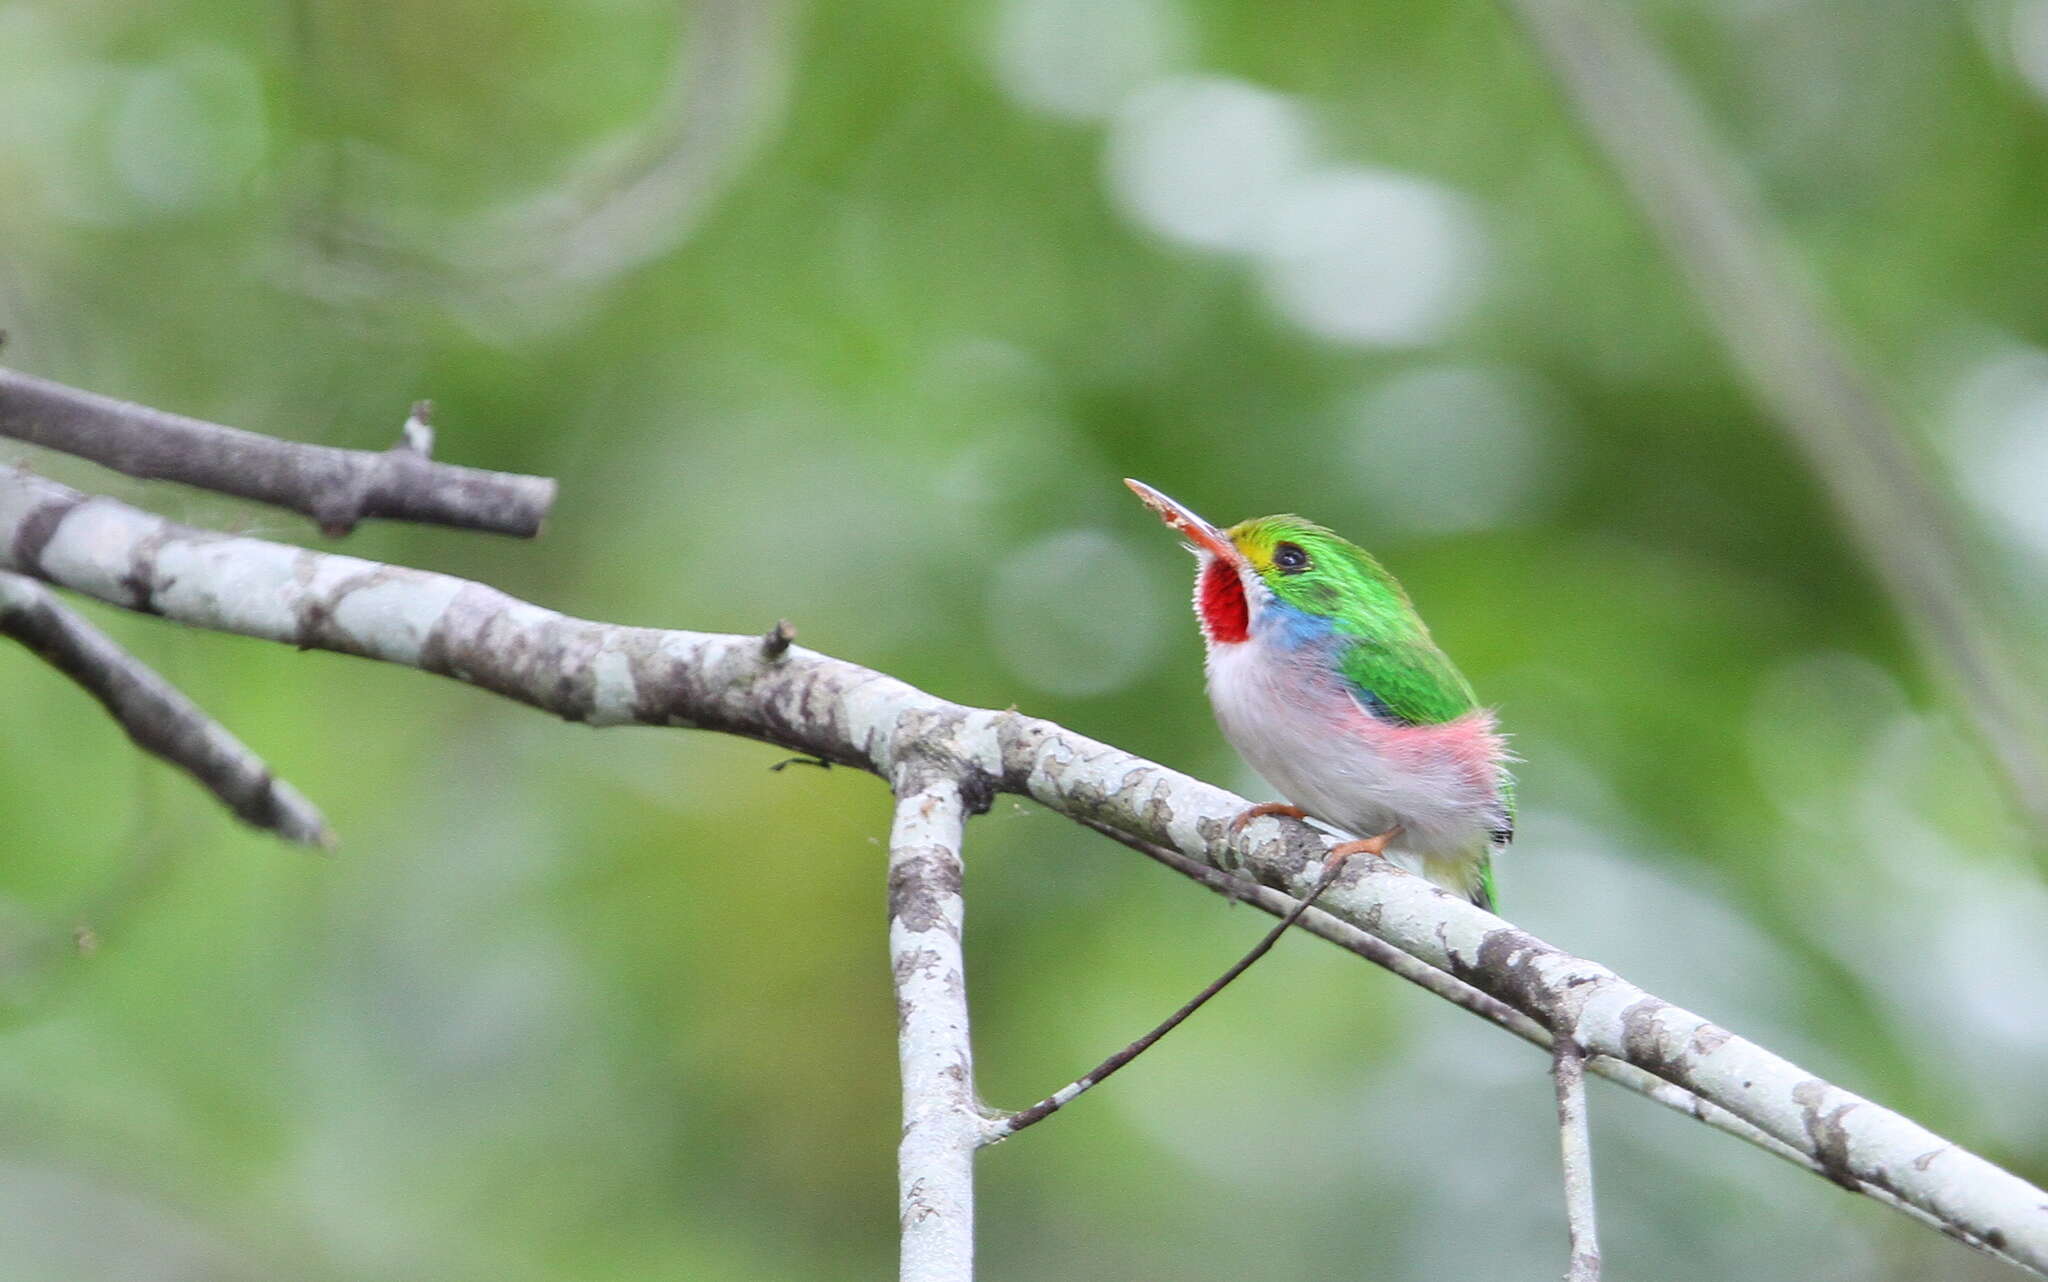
(1324, 678)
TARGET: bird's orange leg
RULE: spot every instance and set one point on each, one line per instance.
(1250, 813)
(1343, 850)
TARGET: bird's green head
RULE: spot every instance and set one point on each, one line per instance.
(1311, 575)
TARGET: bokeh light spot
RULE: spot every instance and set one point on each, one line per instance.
(1372, 258)
(1450, 448)
(1077, 613)
(1202, 160)
(186, 133)
(1077, 59)
(2030, 43)
(1999, 416)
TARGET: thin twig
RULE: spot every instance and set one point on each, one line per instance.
(336, 487)
(156, 716)
(1342, 934)
(417, 432)
(1003, 1128)
(941, 1120)
(1568, 1068)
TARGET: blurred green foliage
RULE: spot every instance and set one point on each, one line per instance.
(856, 315)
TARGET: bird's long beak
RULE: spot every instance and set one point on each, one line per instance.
(1206, 537)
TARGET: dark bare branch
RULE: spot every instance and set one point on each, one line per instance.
(337, 488)
(156, 716)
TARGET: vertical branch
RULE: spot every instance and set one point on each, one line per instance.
(941, 1120)
(1568, 1067)
(1720, 234)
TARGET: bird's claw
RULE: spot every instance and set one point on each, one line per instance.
(1264, 808)
(1376, 846)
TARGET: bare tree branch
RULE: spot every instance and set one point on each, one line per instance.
(337, 488)
(1720, 234)
(1568, 1069)
(156, 716)
(606, 674)
(942, 1123)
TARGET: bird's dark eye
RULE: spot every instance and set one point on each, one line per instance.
(1290, 558)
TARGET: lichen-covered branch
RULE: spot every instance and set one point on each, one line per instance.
(1501, 1015)
(1452, 989)
(337, 488)
(942, 1121)
(156, 716)
(826, 708)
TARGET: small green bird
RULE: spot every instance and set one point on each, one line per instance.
(1325, 679)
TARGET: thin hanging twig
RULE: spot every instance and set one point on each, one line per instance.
(1004, 1127)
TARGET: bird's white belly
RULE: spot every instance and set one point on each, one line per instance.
(1295, 725)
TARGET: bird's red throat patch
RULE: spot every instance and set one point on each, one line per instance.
(1220, 599)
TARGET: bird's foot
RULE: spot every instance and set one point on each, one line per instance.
(1250, 813)
(1375, 846)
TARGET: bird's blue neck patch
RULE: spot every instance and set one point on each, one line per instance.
(1294, 630)
(1292, 627)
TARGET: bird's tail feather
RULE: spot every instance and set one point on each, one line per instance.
(1483, 892)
